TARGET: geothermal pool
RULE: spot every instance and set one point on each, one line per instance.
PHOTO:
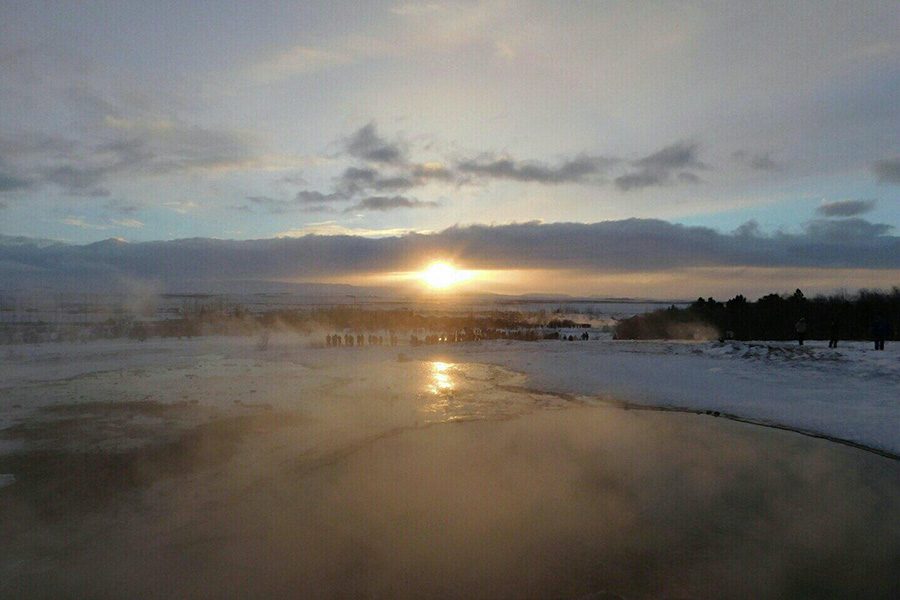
(228, 473)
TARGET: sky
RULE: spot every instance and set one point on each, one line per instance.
(765, 126)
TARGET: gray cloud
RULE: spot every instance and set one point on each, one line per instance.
(355, 180)
(386, 203)
(640, 179)
(688, 177)
(11, 183)
(126, 148)
(681, 155)
(633, 245)
(757, 161)
(574, 170)
(387, 170)
(121, 207)
(887, 171)
(273, 205)
(79, 181)
(304, 202)
(658, 168)
(366, 144)
(318, 208)
(846, 229)
(750, 229)
(845, 208)
(432, 171)
(313, 197)
(762, 162)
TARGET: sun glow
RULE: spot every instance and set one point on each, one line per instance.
(441, 275)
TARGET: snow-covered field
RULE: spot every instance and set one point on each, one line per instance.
(851, 393)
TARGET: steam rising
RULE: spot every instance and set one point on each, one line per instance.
(372, 488)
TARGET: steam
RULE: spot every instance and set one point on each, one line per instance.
(552, 504)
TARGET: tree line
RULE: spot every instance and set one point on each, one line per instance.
(771, 317)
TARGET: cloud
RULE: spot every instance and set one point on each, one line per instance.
(82, 223)
(313, 197)
(757, 161)
(122, 207)
(366, 144)
(130, 223)
(273, 205)
(298, 60)
(119, 148)
(332, 228)
(640, 179)
(677, 156)
(386, 203)
(574, 170)
(303, 203)
(657, 169)
(83, 181)
(182, 207)
(887, 171)
(845, 208)
(846, 229)
(11, 183)
(356, 180)
(381, 168)
(616, 247)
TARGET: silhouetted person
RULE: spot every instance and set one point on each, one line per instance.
(881, 330)
(834, 329)
(800, 329)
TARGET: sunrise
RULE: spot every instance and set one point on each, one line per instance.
(449, 299)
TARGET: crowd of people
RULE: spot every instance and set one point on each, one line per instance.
(359, 339)
(337, 340)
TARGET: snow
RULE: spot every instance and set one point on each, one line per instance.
(851, 393)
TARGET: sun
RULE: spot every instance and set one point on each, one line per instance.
(441, 275)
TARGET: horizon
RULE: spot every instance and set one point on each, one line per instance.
(623, 149)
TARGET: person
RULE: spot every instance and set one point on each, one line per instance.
(881, 330)
(834, 328)
(800, 328)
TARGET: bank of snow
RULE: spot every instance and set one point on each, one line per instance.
(851, 393)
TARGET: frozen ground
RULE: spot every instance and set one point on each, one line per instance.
(851, 393)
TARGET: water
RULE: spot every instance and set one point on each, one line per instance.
(439, 479)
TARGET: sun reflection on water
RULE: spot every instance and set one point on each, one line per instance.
(441, 381)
